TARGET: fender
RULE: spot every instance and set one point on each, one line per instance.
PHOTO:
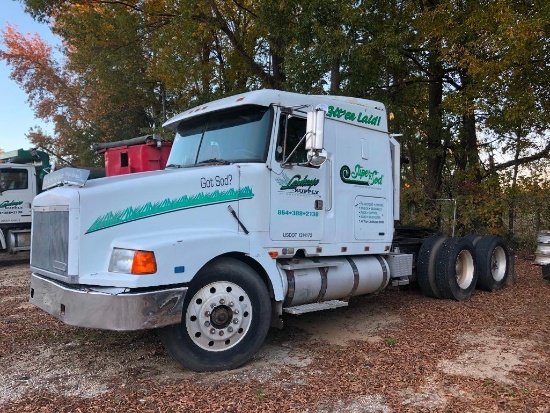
(278, 282)
(180, 256)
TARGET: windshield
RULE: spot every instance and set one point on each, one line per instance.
(13, 179)
(233, 135)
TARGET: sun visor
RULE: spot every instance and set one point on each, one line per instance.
(66, 176)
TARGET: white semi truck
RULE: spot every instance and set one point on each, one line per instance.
(271, 202)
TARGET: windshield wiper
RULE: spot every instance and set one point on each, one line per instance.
(214, 161)
(173, 165)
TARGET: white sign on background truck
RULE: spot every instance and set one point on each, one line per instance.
(271, 202)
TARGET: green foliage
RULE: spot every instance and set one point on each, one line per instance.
(528, 200)
(260, 395)
(481, 207)
(465, 82)
(390, 341)
(416, 207)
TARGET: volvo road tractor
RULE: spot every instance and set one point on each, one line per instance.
(271, 202)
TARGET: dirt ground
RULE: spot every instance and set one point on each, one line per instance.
(396, 351)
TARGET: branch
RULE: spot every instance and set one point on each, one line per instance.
(121, 3)
(221, 23)
(240, 6)
(410, 55)
(545, 153)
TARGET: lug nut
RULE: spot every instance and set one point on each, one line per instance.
(207, 313)
(207, 323)
(212, 331)
(231, 304)
(222, 301)
(212, 305)
(221, 333)
(230, 329)
(236, 312)
(235, 321)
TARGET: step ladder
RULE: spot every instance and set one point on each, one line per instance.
(309, 308)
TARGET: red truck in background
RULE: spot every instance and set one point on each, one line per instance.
(144, 153)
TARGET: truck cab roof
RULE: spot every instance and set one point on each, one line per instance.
(267, 97)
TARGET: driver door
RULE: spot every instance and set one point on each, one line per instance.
(298, 190)
(16, 194)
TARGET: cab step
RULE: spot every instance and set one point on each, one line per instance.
(309, 308)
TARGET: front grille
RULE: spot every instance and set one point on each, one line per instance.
(50, 241)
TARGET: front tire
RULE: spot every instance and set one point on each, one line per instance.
(226, 317)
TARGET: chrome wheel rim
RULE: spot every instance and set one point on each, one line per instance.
(464, 269)
(498, 264)
(218, 316)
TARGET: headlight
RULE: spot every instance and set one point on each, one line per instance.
(132, 261)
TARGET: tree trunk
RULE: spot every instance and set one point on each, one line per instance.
(278, 65)
(512, 201)
(436, 150)
(467, 155)
(335, 77)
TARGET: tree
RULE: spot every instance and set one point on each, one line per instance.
(462, 80)
(103, 92)
(50, 90)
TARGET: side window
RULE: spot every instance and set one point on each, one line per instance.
(11, 179)
(295, 130)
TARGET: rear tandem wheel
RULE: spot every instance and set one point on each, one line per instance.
(493, 262)
(456, 274)
(425, 266)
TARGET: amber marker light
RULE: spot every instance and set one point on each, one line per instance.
(144, 263)
(273, 254)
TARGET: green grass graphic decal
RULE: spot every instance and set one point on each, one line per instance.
(168, 205)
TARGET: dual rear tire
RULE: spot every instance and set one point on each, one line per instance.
(453, 267)
(425, 266)
(456, 272)
(493, 262)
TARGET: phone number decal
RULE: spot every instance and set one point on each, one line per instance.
(298, 213)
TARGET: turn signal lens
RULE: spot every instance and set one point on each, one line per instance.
(144, 263)
(132, 261)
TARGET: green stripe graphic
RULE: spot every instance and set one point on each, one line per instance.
(129, 214)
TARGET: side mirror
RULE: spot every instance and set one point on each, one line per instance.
(315, 135)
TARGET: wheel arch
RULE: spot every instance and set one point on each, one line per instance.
(256, 266)
(272, 279)
(2, 239)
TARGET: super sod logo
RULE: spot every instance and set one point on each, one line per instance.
(360, 176)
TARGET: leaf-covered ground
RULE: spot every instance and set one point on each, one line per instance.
(396, 351)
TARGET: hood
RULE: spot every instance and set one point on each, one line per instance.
(115, 201)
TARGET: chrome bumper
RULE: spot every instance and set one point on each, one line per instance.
(88, 308)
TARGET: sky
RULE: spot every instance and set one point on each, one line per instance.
(16, 116)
